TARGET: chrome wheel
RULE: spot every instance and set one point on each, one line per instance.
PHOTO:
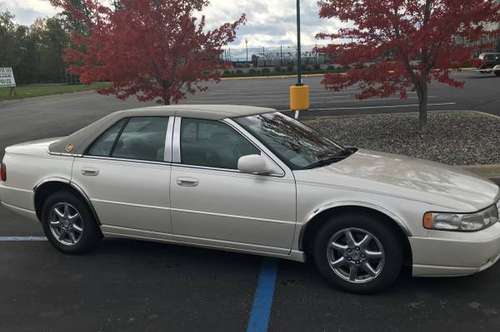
(66, 224)
(355, 255)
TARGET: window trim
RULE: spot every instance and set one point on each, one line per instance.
(167, 155)
(87, 149)
(117, 138)
(176, 148)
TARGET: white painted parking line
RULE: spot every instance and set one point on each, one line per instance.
(276, 99)
(22, 238)
(377, 107)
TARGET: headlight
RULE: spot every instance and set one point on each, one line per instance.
(462, 222)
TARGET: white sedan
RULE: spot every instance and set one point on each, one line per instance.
(254, 180)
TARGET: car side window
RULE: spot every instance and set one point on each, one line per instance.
(103, 145)
(212, 144)
(143, 138)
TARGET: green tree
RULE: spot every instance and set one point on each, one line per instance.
(53, 39)
(35, 53)
(26, 68)
(7, 39)
(75, 22)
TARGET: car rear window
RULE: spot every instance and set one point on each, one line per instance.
(141, 138)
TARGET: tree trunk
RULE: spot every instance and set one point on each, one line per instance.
(166, 98)
(423, 97)
(166, 95)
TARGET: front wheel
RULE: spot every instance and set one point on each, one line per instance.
(358, 253)
(68, 223)
(497, 72)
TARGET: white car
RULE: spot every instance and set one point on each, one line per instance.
(253, 180)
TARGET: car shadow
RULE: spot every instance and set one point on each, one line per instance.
(124, 285)
(411, 304)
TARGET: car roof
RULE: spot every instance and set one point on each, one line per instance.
(209, 112)
(78, 142)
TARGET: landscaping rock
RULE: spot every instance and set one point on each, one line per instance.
(455, 138)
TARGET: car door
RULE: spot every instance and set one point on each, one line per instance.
(126, 174)
(215, 204)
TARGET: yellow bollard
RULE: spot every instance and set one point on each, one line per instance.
(299, 97)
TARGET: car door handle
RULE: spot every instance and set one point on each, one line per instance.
(187, 182)
(90, 172)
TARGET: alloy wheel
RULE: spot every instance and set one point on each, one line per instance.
(355, 255)
(66, 224)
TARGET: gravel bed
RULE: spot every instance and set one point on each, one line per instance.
(454, 138)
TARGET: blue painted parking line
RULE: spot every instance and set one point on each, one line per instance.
(263, 299)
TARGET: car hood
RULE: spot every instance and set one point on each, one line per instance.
(408, 178)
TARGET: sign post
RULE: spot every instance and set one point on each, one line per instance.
(7, 79)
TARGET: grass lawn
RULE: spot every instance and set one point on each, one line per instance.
(36, 90)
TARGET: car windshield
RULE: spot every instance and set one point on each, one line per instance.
(297, 145)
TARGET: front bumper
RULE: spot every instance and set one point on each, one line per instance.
(444, 254)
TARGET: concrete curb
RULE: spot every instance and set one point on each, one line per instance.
(34, 98)
(486, 171)
(304, 75)
(487, 114)
(268, 77)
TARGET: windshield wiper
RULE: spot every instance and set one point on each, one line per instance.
(341, 155)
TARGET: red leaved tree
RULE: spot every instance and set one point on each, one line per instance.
(153, 49)
(395, 45)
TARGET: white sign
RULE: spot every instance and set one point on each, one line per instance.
(7, 77)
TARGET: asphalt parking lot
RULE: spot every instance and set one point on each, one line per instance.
(130, 285)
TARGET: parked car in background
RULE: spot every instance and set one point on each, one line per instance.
(254, 180)
(488, 63)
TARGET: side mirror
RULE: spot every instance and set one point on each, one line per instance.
(254, 164)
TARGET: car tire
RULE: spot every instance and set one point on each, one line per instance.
(376, 262)
(68, 224)
(497, 72)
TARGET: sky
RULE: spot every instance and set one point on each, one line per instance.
(270, 22)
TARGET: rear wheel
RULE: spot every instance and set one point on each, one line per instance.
(497, 72)
(358, 253)
(68, 223)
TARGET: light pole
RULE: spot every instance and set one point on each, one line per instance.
(299, 49)
(246, 47)
(299, 93)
